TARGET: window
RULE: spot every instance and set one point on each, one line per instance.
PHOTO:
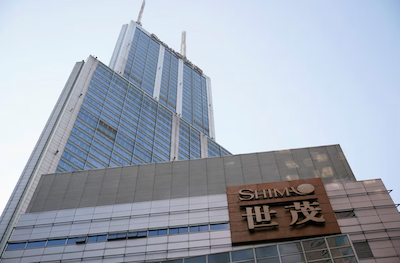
(178, 230)
(345, 214)
(35, 244)
(98, 238)
(142, 234)
(219, 226)
(13, 246)
(158, 232)
(263, 252)
(56, 242)
(242, 254)
(71, 241)
(201, 228)
(363, 250)
(201, 259)
(80, 240)
(289, 248)
(116, 236)
(338, 241)
(219, 258)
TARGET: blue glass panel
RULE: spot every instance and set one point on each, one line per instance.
(101, 238)
(34, 244)
(153, 233)
(92, 239)
(219, 226)
(56, 242)
(183, 230)
(162, 232)
(173, 231)
(13, 246)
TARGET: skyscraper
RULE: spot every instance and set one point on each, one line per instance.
(151, 105)
(118, 175)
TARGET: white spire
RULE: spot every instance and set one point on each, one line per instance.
(139, 19)
(183, 44)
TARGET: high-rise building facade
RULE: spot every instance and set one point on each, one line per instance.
(122, 172)
(151, 105)
(290, 206)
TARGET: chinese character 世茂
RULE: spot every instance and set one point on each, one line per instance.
(308, 210)
(262, 217)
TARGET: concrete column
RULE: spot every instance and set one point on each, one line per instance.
(157, 83)
(203, 145)
(211, 126)
(174, 138)
(179, 94)
(121, 52)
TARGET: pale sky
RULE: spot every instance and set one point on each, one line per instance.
(285, 74)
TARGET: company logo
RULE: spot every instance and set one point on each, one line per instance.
(249, 194)
(280, 210)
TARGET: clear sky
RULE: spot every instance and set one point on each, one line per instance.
(285, 74)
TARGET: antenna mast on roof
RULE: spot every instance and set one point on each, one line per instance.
(139, 19)
(183, 44)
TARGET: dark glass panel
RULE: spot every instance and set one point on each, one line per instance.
(201, 259)
(293, 258)
(242, 254)
(314, 244)
(338, 241)
(289, 248)
(263, 252)
(219, 258)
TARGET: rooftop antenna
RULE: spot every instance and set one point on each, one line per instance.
(183, 44)
(139, 19)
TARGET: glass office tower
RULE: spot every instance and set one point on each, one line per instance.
(128, 119)
(150, 105)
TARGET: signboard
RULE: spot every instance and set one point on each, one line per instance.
(279, 211)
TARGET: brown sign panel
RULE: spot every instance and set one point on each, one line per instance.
(281, 210)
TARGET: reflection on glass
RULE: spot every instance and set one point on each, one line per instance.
(337, 252)
(219, 258)
(317, 254)
(289, 248)
(314, 244)
(263, 252)
(293, 258)
(173, 261)
(242, 254)
(338, 241)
